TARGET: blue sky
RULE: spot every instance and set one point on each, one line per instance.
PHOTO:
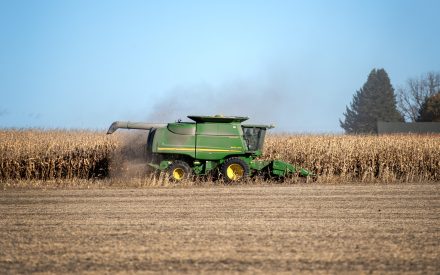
(297, 64)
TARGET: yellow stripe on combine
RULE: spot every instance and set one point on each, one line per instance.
(199, 149)
(175, 149)
(217, 150)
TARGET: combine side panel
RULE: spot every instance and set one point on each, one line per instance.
(179, 141)
(217, 141)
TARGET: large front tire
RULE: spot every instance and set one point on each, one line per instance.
(235, 170)
(179, 170)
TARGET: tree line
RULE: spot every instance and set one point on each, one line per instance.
(376, 100)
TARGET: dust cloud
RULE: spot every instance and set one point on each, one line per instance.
(129, 160)
(265, 100)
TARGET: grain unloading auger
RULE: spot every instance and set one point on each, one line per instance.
(209, 144)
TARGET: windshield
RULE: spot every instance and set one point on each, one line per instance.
(254, 138)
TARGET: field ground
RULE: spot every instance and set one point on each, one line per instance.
(308, 228)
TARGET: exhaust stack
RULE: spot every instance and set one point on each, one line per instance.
(132, 125)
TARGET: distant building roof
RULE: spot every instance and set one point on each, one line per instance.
(412, 127)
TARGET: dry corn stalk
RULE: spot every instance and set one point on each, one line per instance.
(364, 158)
(58, 154)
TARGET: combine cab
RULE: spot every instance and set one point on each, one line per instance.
(209, 144)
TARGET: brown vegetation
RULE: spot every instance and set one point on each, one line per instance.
(56, 154)
(364, 158)
(53, 155)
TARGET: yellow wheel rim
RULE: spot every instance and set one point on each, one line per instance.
(235, 172)
(178, 173)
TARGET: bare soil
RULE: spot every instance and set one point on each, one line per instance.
(254, 229)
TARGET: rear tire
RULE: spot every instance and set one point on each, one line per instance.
(179, 170)
(235, 170)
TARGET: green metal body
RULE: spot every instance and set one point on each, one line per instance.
(207, 142)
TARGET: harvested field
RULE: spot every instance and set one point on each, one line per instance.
(309, 228)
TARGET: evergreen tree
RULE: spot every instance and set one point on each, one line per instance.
(430, 110)
(374, 102)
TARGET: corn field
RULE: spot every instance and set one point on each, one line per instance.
(61, 154)
(362, 158)
(57, 154)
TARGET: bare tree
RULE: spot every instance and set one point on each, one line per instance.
(411, 97)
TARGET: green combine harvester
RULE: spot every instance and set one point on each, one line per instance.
(210, 144)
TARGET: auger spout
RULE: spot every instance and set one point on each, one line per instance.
(132, 125)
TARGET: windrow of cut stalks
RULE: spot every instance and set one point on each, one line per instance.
(54, 154)
(64, 154)
(361, 158)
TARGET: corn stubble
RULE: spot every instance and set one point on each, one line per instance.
(52, 155)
